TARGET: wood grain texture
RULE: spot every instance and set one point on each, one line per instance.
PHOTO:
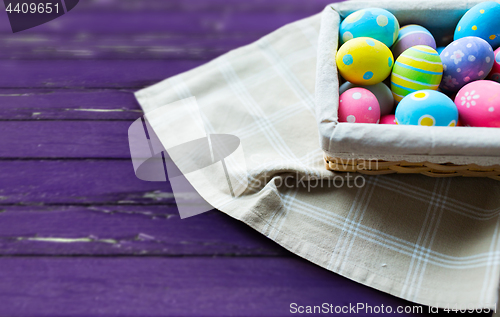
(153, 29)
(152, 45)
(158, 286)
(65, 139)
(275, 6)
(68, 104)
(179, 22)
(80, 182)
(80, 235)
(90, 73)
(187, 17)
(126, 230)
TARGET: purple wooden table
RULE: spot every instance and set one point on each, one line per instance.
(80, 235)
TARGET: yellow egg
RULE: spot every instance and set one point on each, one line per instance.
(364, 61)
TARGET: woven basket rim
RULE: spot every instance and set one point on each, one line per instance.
(380, 167)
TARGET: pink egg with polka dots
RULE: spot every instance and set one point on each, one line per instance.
(495, 71)
(478, 104)
(359, 105)
(388, 119)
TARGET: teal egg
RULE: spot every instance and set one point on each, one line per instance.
(482, 20)
(427, 108)
(376, 23)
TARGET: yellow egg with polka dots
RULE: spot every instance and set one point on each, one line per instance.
(364, 61)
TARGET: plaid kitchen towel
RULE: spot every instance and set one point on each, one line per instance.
(434, 241)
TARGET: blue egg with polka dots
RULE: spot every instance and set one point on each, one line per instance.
(465, 60)
(375, 23)
(482, 20)
(427, 108)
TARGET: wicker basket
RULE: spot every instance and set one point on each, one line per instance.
(379, 167)
(431, 151)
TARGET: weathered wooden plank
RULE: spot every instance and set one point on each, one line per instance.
(156, 286)
(120, 46)
(169, 21)
(202, 5)
(64, 139)
(90, 73)
(63, 104)
(77, 182)
(125, 230)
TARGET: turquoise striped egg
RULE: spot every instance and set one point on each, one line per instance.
(417, 68)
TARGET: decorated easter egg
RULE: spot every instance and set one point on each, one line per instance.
(465, 60)
(412, 35)
(364, 61)
(380, 90)
(388, 119)
(427, 108)
(495, 70)
(478, 104)
(358, 105)
(376, 23)
(482, 20)
(417, 68)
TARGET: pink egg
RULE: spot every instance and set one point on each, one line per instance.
(359, 105)
(478, 104)
(495, 71)
(388, 119)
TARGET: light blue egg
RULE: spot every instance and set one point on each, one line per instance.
(376, 23)
(427, 108)
(482, 20)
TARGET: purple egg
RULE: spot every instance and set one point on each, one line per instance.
(412, 35)
(465, 60)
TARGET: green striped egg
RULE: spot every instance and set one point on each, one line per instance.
(417, 68)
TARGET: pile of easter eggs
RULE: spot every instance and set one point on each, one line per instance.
(426, 85)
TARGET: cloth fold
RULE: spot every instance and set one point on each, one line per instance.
(434, 241)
